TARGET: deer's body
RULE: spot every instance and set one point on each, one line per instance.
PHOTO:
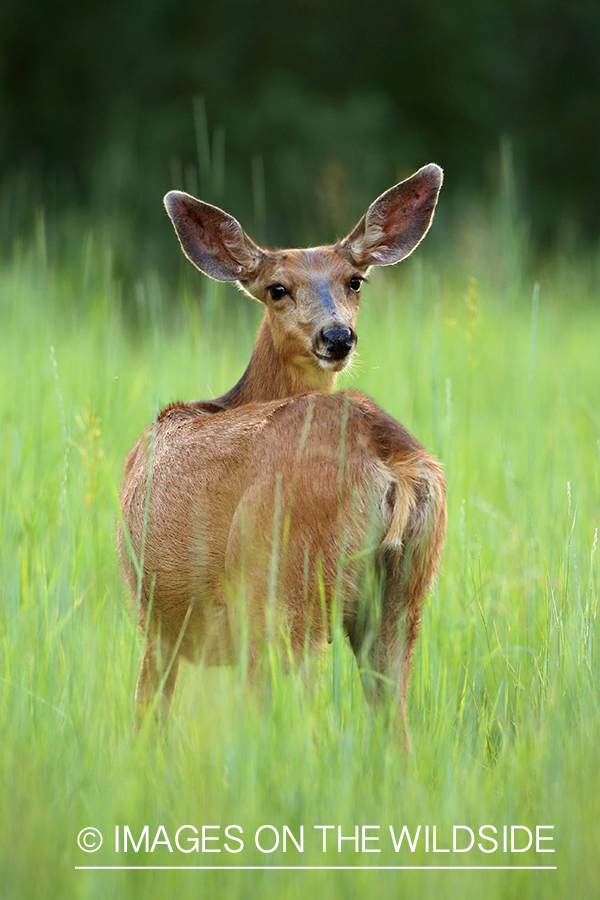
(279, 501)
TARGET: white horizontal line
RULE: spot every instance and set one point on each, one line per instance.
(329, 868)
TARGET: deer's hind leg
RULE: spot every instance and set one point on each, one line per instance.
(383, 638)
(156, 680)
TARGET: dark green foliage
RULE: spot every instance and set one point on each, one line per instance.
(313, 108)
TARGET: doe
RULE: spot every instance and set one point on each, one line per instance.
(280, 503)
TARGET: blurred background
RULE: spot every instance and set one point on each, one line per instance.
(295, 116)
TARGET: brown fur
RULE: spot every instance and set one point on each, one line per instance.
(277, 503)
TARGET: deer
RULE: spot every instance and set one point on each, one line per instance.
(282, 507)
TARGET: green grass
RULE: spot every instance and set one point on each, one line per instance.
(498, 378)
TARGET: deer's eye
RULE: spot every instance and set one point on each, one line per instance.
(355, 283)
(277, 291)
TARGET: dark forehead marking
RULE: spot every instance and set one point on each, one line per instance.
(327, 300)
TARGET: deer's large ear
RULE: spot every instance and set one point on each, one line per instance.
(397, 221)
(211, 239)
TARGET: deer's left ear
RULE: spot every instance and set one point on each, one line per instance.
(211, 239)
(397, 221)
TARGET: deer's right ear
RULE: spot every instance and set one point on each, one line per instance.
(211, 239)
(397, 221)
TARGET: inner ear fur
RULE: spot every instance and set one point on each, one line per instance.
(397, 221)
(211, 239)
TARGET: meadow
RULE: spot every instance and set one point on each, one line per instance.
(491, 360)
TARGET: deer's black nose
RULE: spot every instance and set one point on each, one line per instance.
(338, 342)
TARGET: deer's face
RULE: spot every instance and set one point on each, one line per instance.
(312, 299)
(311, 295)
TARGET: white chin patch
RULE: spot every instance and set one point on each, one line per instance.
(333, 365)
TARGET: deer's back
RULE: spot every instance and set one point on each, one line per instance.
(290, 496)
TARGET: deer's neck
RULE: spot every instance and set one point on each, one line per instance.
(268, 377)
